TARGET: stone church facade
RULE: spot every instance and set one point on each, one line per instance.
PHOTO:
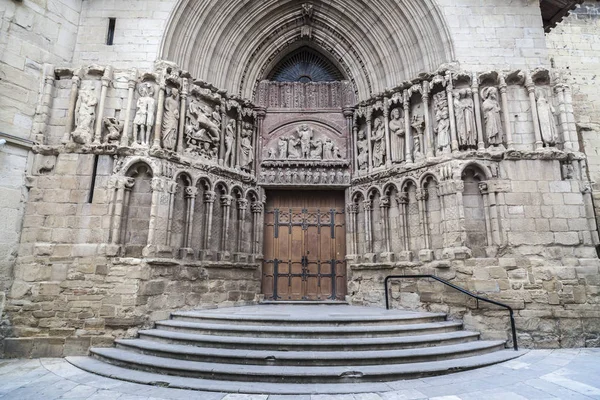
(168, 155)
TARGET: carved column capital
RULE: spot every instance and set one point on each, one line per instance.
(226, 201)
(348, 112)
(131, 83)
(459, 186)
(261, 112)
(257, 207)
(529, 85)
(475, 81)
(502, 84)
(422, 194)
(406, 99)
(402, 198)
(127, 183)
(449, 81)
(210, 197)
(367, 205)
(384, 202)
(242, 204)
(352, 208)
(172, 187)
(191, 192)
(483, 187)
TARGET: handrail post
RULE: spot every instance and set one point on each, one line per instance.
(477, 297)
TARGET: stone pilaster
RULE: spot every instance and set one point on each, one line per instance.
(129, 106)
(106, 80)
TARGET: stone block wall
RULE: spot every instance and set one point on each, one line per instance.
(574, 49)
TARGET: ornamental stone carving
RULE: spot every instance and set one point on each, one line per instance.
(398, 134)
(491, 116)
(442, 122)
(144, 115)
(362, 149)
(114, 129)
(546, 117)
(85, 115)
(170, 120)
(464, 109)
(378, 142)
(202, 128)
(230, 130)
(246, 148)
(303, 144)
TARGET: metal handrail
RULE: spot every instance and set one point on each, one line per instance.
(510, 310)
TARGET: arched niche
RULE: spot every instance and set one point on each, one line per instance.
(181, 213)
(474, 211)
(139, 203)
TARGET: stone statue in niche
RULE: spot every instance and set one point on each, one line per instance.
(418, 124)
(85, 115)
(229, 141)
(464, 109)
(377, 138)
(491, 116)
(216, 116)
(170, 120)
(246, 149)
(362, 150)
(114, 128)
(305, 134)
(398, 133)
(546, 112)
(442, 122)
(144, 115)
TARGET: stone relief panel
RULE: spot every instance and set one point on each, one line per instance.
(313, 95)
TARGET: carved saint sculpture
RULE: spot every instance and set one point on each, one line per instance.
(442, 122)
(328, 150)
(397, 133)
(418, 124)
(229, 141)
(305, 134)
(464, 109)
(377, 138)
(114, 128)
(362, 157)
(282, 145)
(293, 143)
(491, 116)
(144, 115)
(316, 149)
(85, 115)
(546, 112)
(246, 149)
(170, 120)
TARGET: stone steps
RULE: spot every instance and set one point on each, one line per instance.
(309, 344)
(274, 348)
(307, 358)
(308, 330)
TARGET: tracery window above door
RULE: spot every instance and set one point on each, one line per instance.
(305, 65)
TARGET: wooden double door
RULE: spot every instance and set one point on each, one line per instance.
(304, 246)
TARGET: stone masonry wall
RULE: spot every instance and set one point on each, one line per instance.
(574, 48)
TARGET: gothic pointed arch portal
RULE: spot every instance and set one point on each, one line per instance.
(377, 45)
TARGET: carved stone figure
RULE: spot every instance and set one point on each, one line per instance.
(317, 149)
(144, 115)
(328, 150)
(293, 152)
(546, 112)
(85, 115)
(305, 134)
(282, 145)
(246, 149)
(229, 141)
(362, 150)
(377, 138)
(464, 109)
(202, 134)
(114, 128)
(206, 120)
(491, 116)
(397, 133)
(336, 153)
(418, 124)
(442, 122)
(170, 120)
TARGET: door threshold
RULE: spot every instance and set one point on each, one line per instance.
(305, 302)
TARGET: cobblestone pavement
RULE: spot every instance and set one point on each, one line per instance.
(540, 374)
